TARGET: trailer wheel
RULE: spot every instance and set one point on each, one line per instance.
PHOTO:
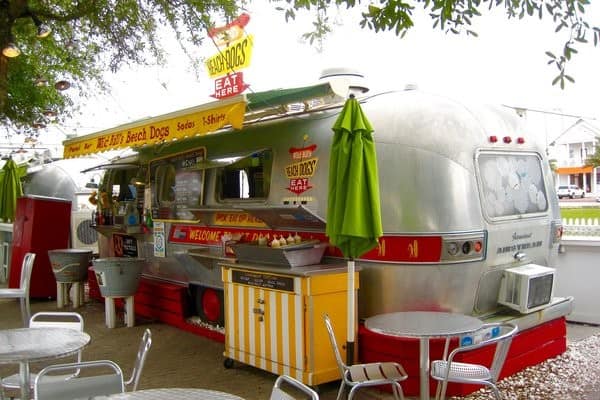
(228, 363)
(210, 305)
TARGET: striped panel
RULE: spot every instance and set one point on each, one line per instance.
(265, 328)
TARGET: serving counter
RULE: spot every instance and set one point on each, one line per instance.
(274, 317)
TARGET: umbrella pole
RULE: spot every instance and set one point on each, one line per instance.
(351, 317)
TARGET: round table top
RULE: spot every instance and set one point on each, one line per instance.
(171, 394)
(39, 344)
(421, 324)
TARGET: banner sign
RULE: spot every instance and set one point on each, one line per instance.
(156, 130)
(235, 52)
(232, 58)
(229, 85)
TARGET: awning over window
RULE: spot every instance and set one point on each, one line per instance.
(575, 170)
(178, 125)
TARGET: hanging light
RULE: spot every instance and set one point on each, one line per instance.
(91, 184)
(62, 85)
(11, 50)
(43, 30)
(38, 125)
(49, 113)
(39, 81)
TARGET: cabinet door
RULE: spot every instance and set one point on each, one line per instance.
(265, 328)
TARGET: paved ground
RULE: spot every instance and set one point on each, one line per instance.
(180, 358)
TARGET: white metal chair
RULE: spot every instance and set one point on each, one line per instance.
(145, 343)
(448, 370)
(48, 319)
(363, 375)
(86, 386)
(22, 292)
(283, 384)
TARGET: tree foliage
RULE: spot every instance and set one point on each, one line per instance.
(91, 37)
(87, 39)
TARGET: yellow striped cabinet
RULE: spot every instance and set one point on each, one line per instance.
(274, 318)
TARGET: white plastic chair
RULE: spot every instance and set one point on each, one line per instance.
(145, 343)
(370, 374)
(282, 383)
(48, 319)
(86, 386)
(22, 292)
(496, 334)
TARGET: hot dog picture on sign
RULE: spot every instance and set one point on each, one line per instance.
(302, 167)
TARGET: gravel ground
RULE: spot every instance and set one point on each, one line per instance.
(574, 375)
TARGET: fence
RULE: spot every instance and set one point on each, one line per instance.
(581, 227)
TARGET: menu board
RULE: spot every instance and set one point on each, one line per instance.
(177, 183)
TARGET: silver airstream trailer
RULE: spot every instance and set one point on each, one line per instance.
(467, 199)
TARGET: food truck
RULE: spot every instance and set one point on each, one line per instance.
(470, 217)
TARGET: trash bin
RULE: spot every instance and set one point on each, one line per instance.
(118, 276)
(70, 265)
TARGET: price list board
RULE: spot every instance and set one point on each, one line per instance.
(177, 184)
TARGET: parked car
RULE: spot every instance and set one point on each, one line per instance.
(570, 191)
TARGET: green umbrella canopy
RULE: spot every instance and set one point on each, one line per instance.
(353, 206)
(10, 189)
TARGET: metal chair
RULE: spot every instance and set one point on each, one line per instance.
(145, 344)
(448, 370)
(48, 319)
(22, 292)
(283, 381)
(86, 386)
(363, 375)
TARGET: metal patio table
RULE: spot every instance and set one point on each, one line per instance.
(423, 325)
(27, 345)
(171, 394)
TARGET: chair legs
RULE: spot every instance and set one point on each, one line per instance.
(341, 390)
(25, 310)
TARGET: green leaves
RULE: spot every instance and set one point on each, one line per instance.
(87, 39)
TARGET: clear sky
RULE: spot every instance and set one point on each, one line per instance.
(506, 64)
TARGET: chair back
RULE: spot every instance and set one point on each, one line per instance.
(57, 319)
(26, 268)
(145, 345)
(498, 334)
(81, 387)
(284, 382)
(503, 340)
(336, 351)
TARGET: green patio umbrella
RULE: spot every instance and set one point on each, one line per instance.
(353, 206)
(9, 191)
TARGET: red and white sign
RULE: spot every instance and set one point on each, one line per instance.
(229, 85)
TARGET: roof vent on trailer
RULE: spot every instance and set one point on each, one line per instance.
(345, 80)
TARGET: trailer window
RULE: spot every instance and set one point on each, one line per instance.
(177, 183)
(512, 184)
(247, 178)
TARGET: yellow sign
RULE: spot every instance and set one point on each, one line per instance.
(198, 121)
(231, 59)
(237, 219)
(302, 169)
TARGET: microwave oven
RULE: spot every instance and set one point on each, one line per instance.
(527, 288)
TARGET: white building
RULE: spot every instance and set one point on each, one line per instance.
(570, 150)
